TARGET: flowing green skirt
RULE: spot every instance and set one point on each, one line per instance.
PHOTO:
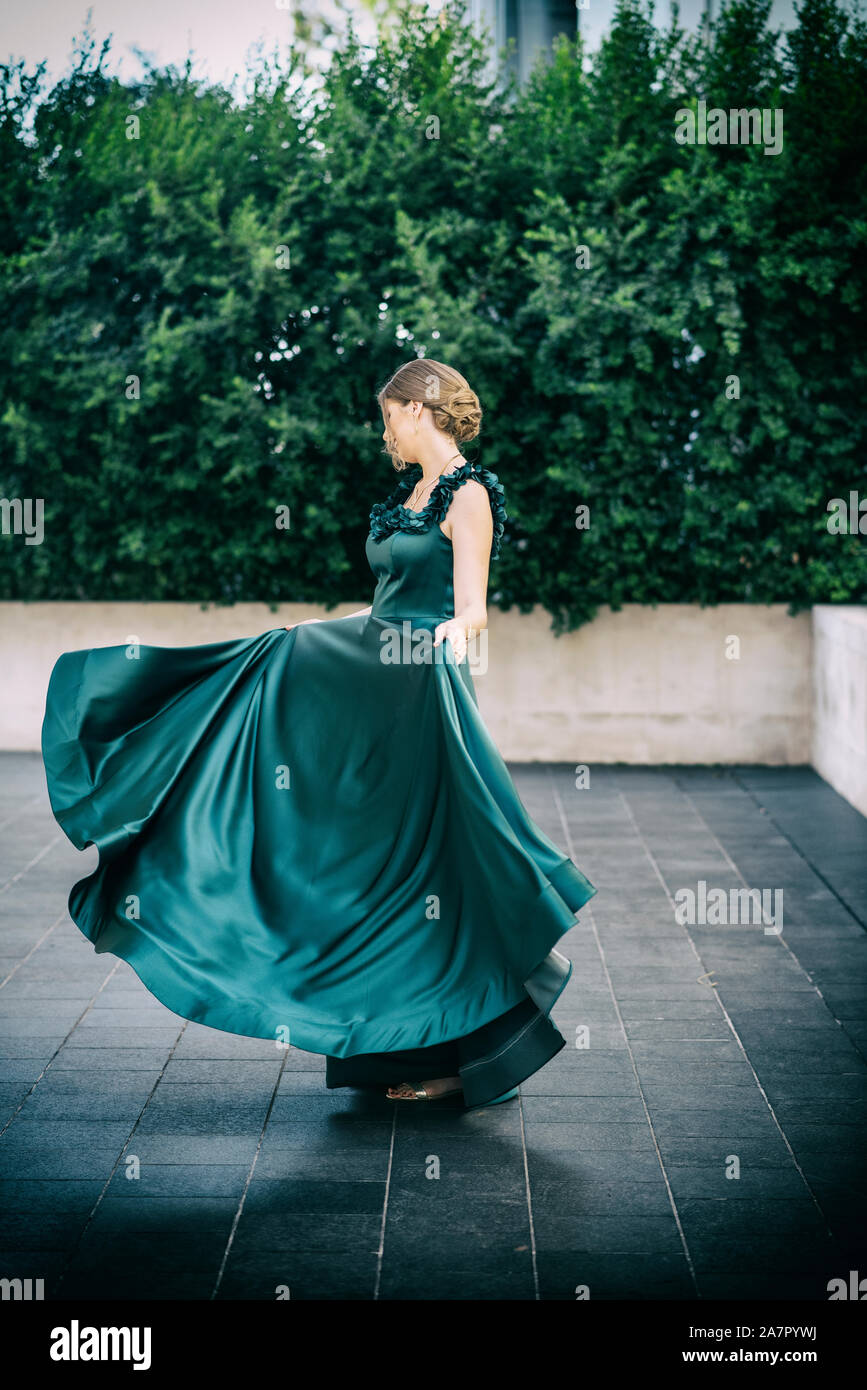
(300, 842)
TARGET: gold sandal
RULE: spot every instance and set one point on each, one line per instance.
(419, 1092)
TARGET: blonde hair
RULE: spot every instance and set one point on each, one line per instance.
(449, 396)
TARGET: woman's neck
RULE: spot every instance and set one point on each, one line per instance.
(431, 468)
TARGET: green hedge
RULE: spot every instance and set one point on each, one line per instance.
(425, 211)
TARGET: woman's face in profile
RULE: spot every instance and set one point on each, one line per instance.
(399, 421)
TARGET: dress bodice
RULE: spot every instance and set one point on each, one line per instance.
(410, 556)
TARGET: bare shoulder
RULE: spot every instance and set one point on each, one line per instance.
(469, 515)
(471, 500)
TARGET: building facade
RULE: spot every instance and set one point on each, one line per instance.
(534, 24)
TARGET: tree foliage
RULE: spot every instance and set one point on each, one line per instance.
(200, 295)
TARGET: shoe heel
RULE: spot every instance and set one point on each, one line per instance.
(507, 1095)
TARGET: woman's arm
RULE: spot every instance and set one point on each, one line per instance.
(362, 612)
(470, 527)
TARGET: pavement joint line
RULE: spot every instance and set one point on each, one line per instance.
(779, 936)
(380, 1251)
(534, 1262)
(722, 1006)
(33, 862)
(243, 1198)
(35, 947)
(797, 849)
(60, 1046)
(92, 1213)
(23, 961)
(12, 820)
(838, 1186)
(570, 850)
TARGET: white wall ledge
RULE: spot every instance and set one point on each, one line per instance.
(643, 685)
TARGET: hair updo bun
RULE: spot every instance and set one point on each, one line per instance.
(450, 398)
(461, 414)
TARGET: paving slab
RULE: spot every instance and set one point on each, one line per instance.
(709, 1142)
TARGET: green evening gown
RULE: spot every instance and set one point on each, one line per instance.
(310, 836)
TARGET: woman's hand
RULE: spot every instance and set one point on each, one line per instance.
(359, 613)
(456, 632)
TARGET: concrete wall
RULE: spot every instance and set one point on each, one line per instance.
(839, 739)
(651, 685)
(676, 684)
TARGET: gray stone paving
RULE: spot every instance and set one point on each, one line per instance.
(709, 1046)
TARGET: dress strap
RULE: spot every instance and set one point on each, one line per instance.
(391, 515)
(448, 486)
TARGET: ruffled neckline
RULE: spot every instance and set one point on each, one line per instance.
(391, 515)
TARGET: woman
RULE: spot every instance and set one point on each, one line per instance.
(310, 836)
